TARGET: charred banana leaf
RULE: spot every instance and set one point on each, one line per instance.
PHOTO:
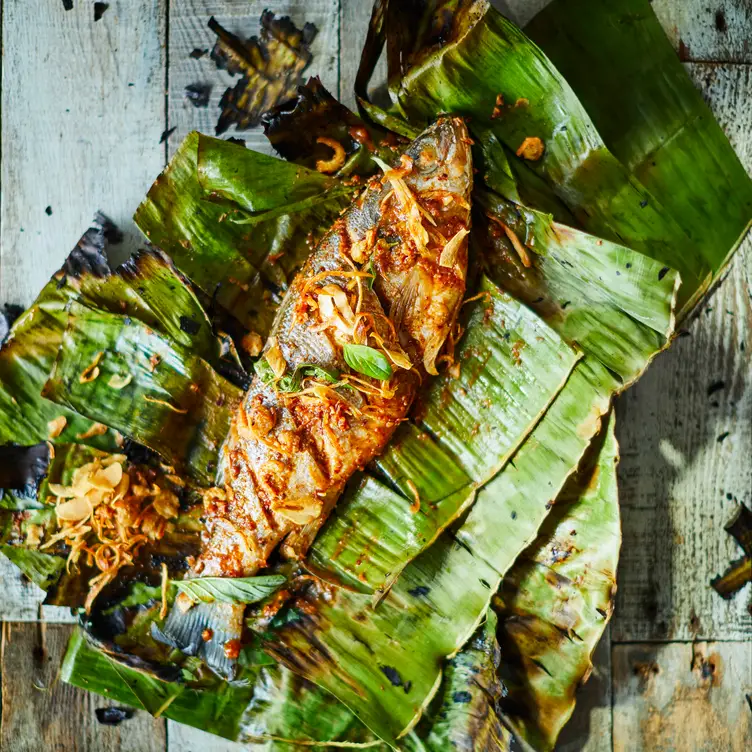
(556, 601)
(118, 371)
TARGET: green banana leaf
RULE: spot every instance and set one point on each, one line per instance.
(614, 303)
(621, 65)
(512, 366)
(174, 402)
(479, 55)
(147, 287)
(465, 713)
(238, 223)
(555, 603)
(385, 662)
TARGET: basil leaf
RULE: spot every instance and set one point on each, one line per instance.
(292, 382)
(229, 589)
(368, 361)
(264, 370)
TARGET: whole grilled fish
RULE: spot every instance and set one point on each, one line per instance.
(361, 326)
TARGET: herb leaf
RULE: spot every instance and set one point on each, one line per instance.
(263, 370)
(292, 382)
(368, 361)
(229, 589)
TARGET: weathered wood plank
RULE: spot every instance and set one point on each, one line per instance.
(703, 31)
(41, 713)
(686, 439)
(686, 697)
(20, 598)
(182, 738)
(82, 112)
(189, 31)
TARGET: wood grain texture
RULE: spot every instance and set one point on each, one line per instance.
(189, 31)
(703, 31)
(41, 713)
(685, 697)
(686, 441)
(82, 113)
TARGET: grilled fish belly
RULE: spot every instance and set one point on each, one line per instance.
(388, 278)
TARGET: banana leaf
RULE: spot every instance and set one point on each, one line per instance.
(555, 603)
(477, 55)
(385, 663)
(512, 366)
(621, 65)
(465, 714)
(238, 223)
(614, 303)
(174, 402)
(296, 128)
(146, 287)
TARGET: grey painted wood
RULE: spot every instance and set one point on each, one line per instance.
(189, 31)
(82, 113)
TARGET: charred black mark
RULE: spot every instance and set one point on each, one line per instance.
(514, 515)
(540, 666)
(166, 134)
(198, 94)
(48, 211)
(663, 272)
(395, 679)
(188, 325)
(462, 697)
(419, 591)
(99, 10)
(716, 386)
(722, 437)
(8, 315)
(565, 304)
(197, 53)
(720, 21)
(67, 4)
(643, 203)
(485, 584)
(628, 265)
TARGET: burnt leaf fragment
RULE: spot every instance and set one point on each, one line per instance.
(197, 53)
(198, 94)
(113, 716)
(166, 134)
(67, 4)
(99, 10)
(271, 66)
(22, 469)
(740, 571)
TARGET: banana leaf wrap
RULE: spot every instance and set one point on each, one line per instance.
(556, 601)
(146, 287)
(174, 402)
(652, 117)
(479, 56)
(512, 366)
(238, 223)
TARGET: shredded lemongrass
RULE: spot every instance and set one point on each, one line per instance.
(451, 250)
(165, 584)
(156, 401)
(517, 245)
(415, 506)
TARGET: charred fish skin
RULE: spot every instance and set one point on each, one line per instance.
(389, 276)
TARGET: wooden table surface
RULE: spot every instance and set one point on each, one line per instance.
(84, 106)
